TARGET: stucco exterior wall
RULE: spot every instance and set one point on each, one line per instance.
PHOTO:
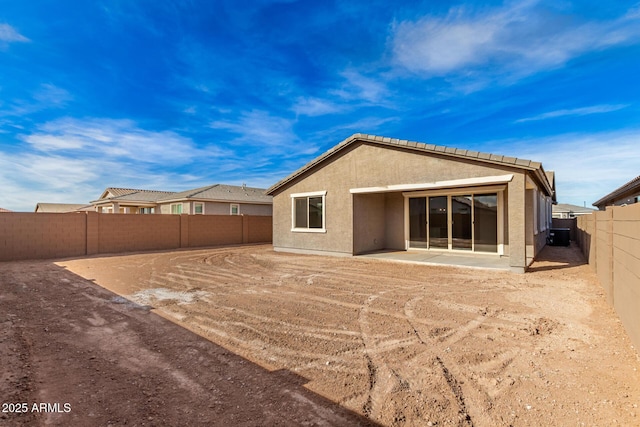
(370, 165)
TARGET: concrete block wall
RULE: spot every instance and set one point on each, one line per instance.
(611, 241)
(42, 235)
(259, 229)
(45, 236)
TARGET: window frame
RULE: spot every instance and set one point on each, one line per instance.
(176, 204)
(309, 195)
(195, 208)
(237, 205)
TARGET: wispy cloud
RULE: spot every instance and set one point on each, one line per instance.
(114, 139)
(310, 106)
(358, 87)
(258, 128)
(520, 38)
(8, 34)
(583, 111)
(587, 166)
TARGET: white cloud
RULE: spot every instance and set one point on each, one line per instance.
(583, 111)
(8, 34)
(314, 107)
(520, 38)
(115, 139)
(587, 166)
(358, 87)
(260, 128)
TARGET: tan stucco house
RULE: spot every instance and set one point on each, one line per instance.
(372, 193)
(61, 207)
(626, 194)
(216, 199)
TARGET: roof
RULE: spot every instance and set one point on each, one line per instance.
(222, 192)
(215, 192)
(629, 189)
(564, 207)
(4, 210)
(59, 207)
(128, 194)
(514, 162)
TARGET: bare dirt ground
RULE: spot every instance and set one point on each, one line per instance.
(310, 340)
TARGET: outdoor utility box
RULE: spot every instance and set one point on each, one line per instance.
(559, 236)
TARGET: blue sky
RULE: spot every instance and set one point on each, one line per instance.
(172, 95)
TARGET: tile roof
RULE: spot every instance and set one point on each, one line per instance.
(222, 192)
(564, 207)
(630, 187)
(422, 147)
(128, 194)
(59, 207)
(4, 210)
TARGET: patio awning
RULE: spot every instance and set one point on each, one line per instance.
(454, 183)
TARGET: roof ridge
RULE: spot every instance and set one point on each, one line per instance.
(418, 146)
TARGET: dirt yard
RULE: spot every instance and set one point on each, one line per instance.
(310, 340)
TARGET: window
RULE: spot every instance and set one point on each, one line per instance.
(146, 210)
(176, 208)
(234, 209)
(198, 208)
(308, 212)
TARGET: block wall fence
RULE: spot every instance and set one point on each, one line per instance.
(43, 235)
(610, 241)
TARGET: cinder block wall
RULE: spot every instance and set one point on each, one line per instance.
(122, 233)
(260, 229)
(38, 236)
(44, 236)
(213, 230)
(611, 241)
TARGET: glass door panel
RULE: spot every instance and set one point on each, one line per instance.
(461, 222)
(485, 223)
(418, 222)
(438, 223)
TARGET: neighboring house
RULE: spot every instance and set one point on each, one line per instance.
(62, 207)
(217, 199)
(371, 193)
(563, 211)
(628, 194)
(4, 210)
(128, 200)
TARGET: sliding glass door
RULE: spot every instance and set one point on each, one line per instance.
(418, 222)
(461, 234)
(438, 222)
(458, 222)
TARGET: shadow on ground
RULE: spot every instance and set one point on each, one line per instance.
(558, 257)
(113, 362)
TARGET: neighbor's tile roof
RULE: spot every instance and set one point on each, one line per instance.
(625, 190)
(564, 207)
(222, 192)
(4, 210)
(59, 207)
(129, 194)
(417, 146)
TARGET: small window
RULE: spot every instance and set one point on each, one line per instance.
(234, 209)
(198, 208)
(176, 208)
(309, 212)
(146, 210)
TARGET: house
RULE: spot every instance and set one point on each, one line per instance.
(61, 207)
(564, 210)
(4, 210)
(372, 193)
(217, 199)
(627, 194)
